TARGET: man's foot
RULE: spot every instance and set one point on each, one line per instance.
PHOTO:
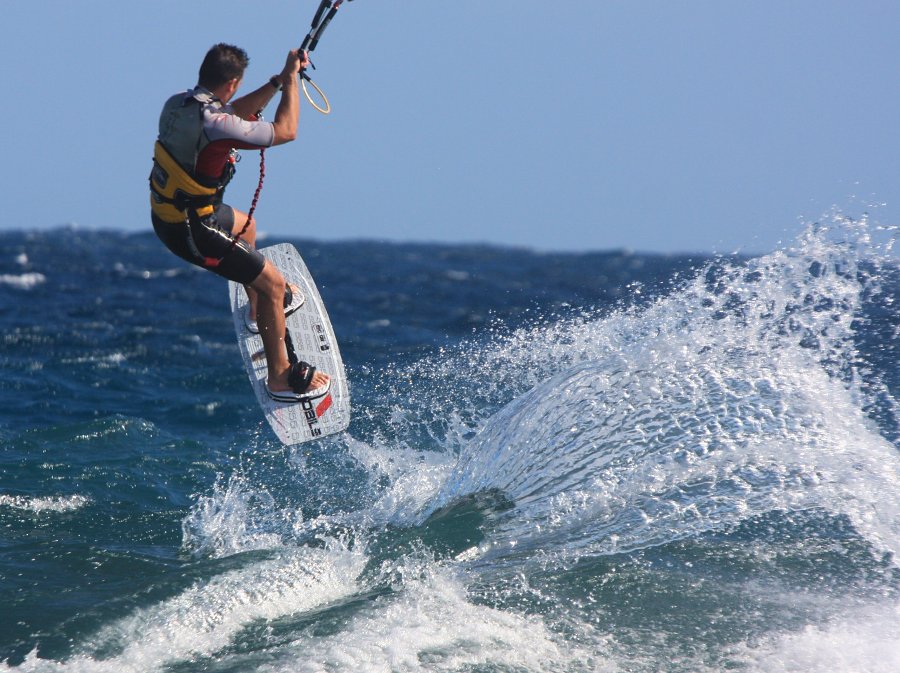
(293, 299)
(304, 382)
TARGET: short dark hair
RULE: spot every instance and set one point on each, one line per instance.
(223, 62)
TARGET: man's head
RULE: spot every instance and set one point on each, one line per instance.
(223, 64)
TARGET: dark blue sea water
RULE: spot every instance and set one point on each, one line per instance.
(557, 462)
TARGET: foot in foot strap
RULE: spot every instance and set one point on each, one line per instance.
(302, 379)
(293, 299)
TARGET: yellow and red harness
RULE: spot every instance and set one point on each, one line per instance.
(175, 194)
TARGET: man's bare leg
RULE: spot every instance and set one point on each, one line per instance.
(266, 296)
(269, 288)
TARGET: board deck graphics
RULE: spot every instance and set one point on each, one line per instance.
(312, 340)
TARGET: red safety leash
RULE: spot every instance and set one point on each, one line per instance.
(259, 186)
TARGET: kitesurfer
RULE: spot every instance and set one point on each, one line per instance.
(199, 133)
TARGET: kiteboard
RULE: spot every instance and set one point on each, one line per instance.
(313, 341)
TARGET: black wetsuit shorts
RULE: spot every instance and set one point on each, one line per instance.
(209, 243)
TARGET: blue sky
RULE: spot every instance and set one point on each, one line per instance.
(588, 125)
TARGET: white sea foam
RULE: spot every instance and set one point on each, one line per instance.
(41, 504)
(412, 480)
(862, 640)
(430, 624)
(203, 619)
(225, 522)
(102, 360)
(23, 281)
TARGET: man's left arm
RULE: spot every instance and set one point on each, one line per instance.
(247, 106)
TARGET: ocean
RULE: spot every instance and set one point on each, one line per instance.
(603, 461)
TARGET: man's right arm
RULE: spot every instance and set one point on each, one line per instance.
(287, 116)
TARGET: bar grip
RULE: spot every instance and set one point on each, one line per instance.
(323, 6)
(322, 27)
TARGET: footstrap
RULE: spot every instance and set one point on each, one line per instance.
(301, 376)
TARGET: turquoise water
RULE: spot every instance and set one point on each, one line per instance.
(580, 462)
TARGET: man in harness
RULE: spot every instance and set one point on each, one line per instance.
(199, 132)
